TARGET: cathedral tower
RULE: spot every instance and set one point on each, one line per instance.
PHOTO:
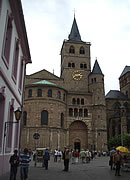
(96, 87)
(75, 61)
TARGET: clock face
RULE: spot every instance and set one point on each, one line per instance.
(77, 75)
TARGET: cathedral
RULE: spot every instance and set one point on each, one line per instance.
(69, 110)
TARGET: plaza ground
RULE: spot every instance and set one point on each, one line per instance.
(97, 169)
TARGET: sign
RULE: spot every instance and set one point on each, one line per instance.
(36, 136)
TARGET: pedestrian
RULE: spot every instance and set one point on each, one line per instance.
(66, 157)
(117, 160)
(82, 155)
(55, 155)
(87, 156)
(59, 155)
(24, 164)
(46, 158)
(76, 156)
(112, 152)
(14, 163)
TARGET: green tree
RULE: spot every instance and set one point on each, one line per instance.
(116, 141)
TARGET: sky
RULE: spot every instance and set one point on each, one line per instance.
(103, 23)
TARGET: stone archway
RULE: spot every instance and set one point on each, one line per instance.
(78, 135)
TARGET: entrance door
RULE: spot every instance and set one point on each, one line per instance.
(77, 146)
(78, 135)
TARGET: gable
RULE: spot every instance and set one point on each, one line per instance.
(40, 75)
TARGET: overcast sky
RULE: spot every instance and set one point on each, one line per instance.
(104, 23)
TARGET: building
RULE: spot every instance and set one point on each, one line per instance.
(14, 55)
(68, 110)
(118, 107)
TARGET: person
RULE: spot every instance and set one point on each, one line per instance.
(117, 160)
(82, 155)
(24, 164)
(59, 155)
(87, 156)
(55, 155)
(76, 156)
(14, 162)
(112, 152)
(46, 158)
(66, 158)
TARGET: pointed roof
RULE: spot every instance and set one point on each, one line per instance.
(74, 34)
(126, 69)
(96, 68)
(115, 94)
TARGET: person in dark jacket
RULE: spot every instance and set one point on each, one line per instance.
(46, 158)
(14, 162)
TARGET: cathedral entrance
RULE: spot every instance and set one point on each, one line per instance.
(77, 146)
(78, 135)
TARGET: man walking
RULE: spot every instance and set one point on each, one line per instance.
(66, 158)
(24, 164)
(14, 162)
(117, 160)
(46, 158)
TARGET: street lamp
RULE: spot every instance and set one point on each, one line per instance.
(18, 113)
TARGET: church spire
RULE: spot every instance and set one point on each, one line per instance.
(96, 68)
(74, 34)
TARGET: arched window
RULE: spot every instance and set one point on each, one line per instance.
(30, 93)
(73, 64)
(75, 112)
(82, 51)
(39, 92)
(59, 95)
(82, 101)
(44, 117)
(69, 64)
(78, 101)
(24, 118)
(85, 113)
(80, 112)
(72, 50)
(81, 65)
(85, 66)
(70, 112)
(73, 101)
(62, 120)
(49, 92)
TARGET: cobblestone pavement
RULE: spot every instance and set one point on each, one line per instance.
(97, 169)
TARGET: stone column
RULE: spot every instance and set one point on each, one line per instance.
(58, 140)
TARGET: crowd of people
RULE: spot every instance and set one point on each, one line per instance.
(68, 156)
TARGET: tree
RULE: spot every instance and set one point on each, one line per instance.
(116, 141)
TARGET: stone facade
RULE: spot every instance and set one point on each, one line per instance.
(118, 107)
(68, 110)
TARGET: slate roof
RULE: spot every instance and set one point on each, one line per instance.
(126, 69)
(74, 34)
(45, 83)
(115, 94)
(96, 68)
